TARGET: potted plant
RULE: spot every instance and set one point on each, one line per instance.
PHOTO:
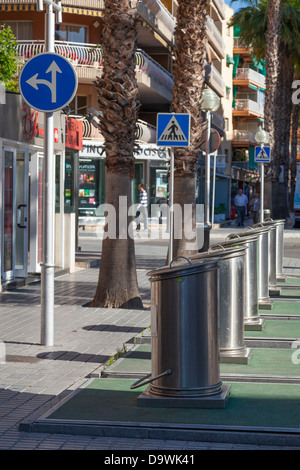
(222, 211)
(217, 214)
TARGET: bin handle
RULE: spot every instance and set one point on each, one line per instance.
(180, 257)
(143, 381)
(214, 246)
(232, 235)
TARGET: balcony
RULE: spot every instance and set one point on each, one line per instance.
(146, 133)
(155, 83)
(243, 137)
(215, 37)
(158, 17)
(214, 79)
(239, 47)
(249, 108)
(246, 76)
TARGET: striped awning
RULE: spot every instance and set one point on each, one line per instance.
(32, 7)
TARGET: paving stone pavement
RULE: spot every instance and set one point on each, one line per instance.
(85, 338)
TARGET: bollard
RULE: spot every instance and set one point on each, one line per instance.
(252, 320)
(279, 224)
(273, 288)
(264, 300)
(231, 301)
(184, 335)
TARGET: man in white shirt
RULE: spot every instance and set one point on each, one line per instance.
(142, 208)
(240, 202)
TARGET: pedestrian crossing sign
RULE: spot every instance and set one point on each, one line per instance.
(262, 155)
(173, 130)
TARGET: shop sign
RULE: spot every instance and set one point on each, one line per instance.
(74, 133)
(141, 152)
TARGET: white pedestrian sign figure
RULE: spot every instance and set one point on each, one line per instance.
(173, 130)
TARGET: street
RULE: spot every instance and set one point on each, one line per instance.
(144, 247)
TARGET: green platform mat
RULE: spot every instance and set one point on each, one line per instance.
(282, 308)
(111, 400)
(276, 329)
(267, 362)
(290, 281)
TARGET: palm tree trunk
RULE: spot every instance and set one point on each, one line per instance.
(295, 121)
(118, 101)
(272, 71)
(188, 72)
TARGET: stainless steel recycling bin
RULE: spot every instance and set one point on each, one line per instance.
(279, 225)
(263, 263)
(272, 254)
(250, 240)
(184, 335)
(231, 301)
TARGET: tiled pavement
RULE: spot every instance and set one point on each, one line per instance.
(85, 338)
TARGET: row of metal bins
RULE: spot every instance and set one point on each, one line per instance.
(199, 309)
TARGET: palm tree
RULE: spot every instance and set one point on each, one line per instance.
(188, 74)
(118, 101)
(259, 29)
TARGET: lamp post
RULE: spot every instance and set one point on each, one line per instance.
(262, 137)
(210, 103)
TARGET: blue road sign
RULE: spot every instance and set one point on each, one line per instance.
(262, 154)
(173, 130)
(48, 82)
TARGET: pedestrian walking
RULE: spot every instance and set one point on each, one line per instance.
(240, 202)
(142, 208)
(255, 208)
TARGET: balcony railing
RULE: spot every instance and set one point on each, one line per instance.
(146, 64)
(214, 79)
(145, 132)
(158, 16)
(81, 55)
(238, 43)
(90, 56)
(215, 36)
(243, 136)
(252, 75)
(249, 106)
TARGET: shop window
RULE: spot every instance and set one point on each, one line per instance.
(91, 187)
(158, 185)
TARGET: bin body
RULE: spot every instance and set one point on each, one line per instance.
(250, 241)
(279, 225)
(184, 330)
(263, 261)
(231, 298)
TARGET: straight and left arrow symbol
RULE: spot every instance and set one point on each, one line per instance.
(34, 81)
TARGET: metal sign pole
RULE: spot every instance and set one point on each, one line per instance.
(47, 274)
(207, 172)
(262, 182)
(171, 205)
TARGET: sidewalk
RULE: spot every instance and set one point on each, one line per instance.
(34, 378)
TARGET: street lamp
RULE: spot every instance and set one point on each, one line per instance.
(262, 137)
(210, 103)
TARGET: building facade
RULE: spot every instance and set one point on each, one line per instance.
(79, 164)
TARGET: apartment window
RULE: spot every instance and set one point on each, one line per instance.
(23, 30)
(71, 33)
(79, 105)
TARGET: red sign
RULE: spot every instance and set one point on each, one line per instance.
(74, 133)
(56, 135)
